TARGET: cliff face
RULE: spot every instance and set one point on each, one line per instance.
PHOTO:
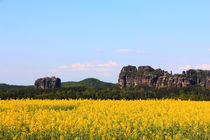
(46, 83)
(130, 76)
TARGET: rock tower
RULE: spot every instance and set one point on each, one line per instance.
(46, 83)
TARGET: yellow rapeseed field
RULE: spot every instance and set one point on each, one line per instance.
(104, 119)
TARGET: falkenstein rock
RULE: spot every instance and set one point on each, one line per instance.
(130, 76)
(46, 83)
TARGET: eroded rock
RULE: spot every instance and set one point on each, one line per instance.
(130, 76)
(46, 83)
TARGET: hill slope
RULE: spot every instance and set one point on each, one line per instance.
(90, 82)
(7, 87)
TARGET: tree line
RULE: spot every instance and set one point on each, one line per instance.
(132, 93)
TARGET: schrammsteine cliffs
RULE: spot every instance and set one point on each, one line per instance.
(130, 76)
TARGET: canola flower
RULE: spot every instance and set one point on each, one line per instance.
(104, 119)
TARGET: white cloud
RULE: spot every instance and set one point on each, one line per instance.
(90, 67)
(105, 74)
(187, 67)
(78, 65)
(130, 51)
(110, 63)
(64, 67)
(202, 67)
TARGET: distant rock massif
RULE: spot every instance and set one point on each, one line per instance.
(46, 83)
(130, 76)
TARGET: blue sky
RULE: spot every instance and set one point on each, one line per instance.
(76, 39)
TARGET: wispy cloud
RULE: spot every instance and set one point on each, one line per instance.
(109, 64)
(63, 67)
(105, 74)
(100, 69)
(187, 67)
(130, 51)
(90, 66)
(202, 67)
(81, 66)
(209, 50)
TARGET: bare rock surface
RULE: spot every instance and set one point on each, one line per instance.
(130, 76)
(47, 82)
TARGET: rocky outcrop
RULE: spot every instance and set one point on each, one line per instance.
(46, 83)
(130, 76)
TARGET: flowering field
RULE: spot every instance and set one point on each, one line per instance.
(100, 119)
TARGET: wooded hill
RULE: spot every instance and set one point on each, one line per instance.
(90, 82)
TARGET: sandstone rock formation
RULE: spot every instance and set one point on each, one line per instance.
(46, 83)
(130, 76)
